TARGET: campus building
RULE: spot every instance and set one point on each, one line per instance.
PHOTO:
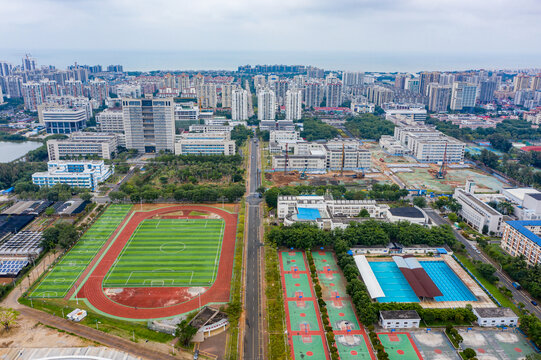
(399, 319)
(405, 112)
(83, 174)
(497, 316)
(149, 124)
(476, 213)
(103, 145)
(63, 120)
(110, 121)
(521, 237)
(207, 143)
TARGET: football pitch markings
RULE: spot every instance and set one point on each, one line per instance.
(64, 275)
(169, 252)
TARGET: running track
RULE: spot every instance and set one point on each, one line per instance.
(219, 291)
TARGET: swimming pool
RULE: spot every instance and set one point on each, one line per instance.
(450, 285)
(393, 283)
(308, 214)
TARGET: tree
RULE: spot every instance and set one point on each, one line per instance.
(469, 353)
(49, 211)
(85, 196)
(364, 213)
(8, 318)
(487, 271)
(185, 332)
(419, 201)
(453, 217)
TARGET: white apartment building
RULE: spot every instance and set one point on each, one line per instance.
(476, 213)
(521, 237)
(213, 143)
(239, 105)
(84, 174)
(463, 95)
(103, 145)
(293, 104)
(111, 121)
(227, 95)
(129, 91)
(32, 95)
(333, 94)
(149, 124)
(266, 104)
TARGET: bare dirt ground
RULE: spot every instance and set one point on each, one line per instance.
(29, 333)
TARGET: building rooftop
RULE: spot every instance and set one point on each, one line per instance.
(495, 312)
(411, 212)
(521, 227)
(400, 314)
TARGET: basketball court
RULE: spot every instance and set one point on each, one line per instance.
(399, 346)
(309, 347)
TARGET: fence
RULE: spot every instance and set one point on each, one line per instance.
(477, 281)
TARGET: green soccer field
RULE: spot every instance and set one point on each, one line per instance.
(59, 280)
(169, 252)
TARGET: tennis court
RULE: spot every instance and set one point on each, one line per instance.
(399, 346)
(169, 252)
(452, 288)
(392, 282)
(66, 272)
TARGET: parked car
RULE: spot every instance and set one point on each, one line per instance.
(534, 303)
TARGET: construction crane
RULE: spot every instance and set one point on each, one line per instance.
(441, 174)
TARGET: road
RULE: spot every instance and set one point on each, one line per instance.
(253, 340)
(518, 295)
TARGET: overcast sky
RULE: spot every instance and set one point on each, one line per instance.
(386, 26)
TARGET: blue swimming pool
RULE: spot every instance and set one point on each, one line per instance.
(308, 214)
(393, 283)
(450, 285)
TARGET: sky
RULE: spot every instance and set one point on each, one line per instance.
(394, 27)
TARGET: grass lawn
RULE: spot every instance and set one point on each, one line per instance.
(169, 252)
(490, 287)
(59, 281)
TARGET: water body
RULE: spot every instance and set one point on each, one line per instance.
(10, 151)
(230, 60)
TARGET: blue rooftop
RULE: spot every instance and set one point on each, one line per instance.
(308, 214)
(520, 226)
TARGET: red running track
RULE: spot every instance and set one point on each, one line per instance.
(219, 291)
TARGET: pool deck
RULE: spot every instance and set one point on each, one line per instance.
(483, 301)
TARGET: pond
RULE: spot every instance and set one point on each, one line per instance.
(10, 151)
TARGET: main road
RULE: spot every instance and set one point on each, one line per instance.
(518, 295)
(253, 339)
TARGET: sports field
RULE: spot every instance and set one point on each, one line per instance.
(59, 281)
(399, 346)
(169, 252)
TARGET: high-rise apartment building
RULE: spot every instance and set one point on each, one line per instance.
(73, 88)
(280, 90)
(536, 83)
(413, 85)
(426, 78)
(149, 124)
(333, 94)
(259, 81)
(313, 95)
(439, 97)
(227, 92)
(486, 91)
(521, 82)
(400, 81)
(463, 95)
(266, 104)
(293, 104)
(48, 87)
(12, 85)
(99, 90)
(32, 95)
(379, 95)
(5, 68)
(206, 93)
(352, 78)
(239, 104)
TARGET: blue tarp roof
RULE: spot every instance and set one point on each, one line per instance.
(520, 226)
(308, 214)
(441, 251)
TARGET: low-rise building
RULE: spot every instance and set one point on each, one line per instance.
(399, 319)
(208, 143)
(497, 316)
(83, 174)
(62, 120)
(476, 213)
(521, 237)
(103, 145)
(412, 214)
(210, 128)
(409, 113)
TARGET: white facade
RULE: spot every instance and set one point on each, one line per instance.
(206, 94)
(399, 319)
(227, 95)
(32, 95)
(84, 174)
(492, 317)
(409, 113)
(266, 104)
(103, 145)
(186, 112)
(478, 214)
(129, 91)
(205, 144)
(149, 124)
(293, 104)
(63, 120)
(463, 95)
(239, 105)
(284, 136)
(110, 121)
